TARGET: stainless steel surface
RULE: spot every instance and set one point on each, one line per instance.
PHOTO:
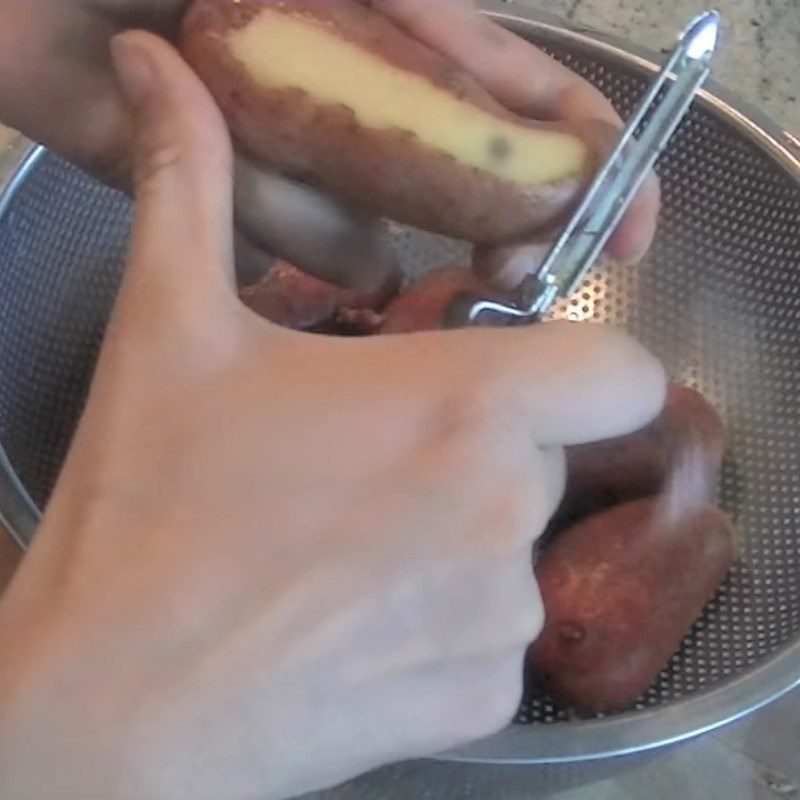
(755, 759)
(718, 300)
(18, 513)
(614, 188)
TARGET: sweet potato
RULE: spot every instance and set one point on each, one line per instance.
(292, 298)
(621, 590)
(426, 304)
(333, 93)
(603, 474)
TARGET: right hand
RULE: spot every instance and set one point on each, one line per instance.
(57, 86)
(275, 560)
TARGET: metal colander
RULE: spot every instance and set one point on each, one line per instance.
(718, 300)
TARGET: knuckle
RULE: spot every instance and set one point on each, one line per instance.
(478, 414)
(533, 620)
(527, 616)
(526, 624)
(465, 411)
(513, 515)
(511, 613)
(534, 605)
(155, 158)
(506, 522)
(520, 511)
(499, 693)
(551, 465)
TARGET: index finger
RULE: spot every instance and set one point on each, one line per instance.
(560, 383)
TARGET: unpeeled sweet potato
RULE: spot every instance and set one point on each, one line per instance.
(294, 299)
(603, 474)
(333, 93)
(621, 590)
(427, 303)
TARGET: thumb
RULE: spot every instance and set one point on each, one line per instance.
(181, 254)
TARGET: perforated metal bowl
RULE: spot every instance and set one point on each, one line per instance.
(718, 300)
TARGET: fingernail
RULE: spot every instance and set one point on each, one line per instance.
(134, 67)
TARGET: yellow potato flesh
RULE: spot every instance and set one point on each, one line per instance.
(278, 50)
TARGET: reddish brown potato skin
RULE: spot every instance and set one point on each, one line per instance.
(292, 298)
(620, 591)
(387, 173)
(423, 306)
(614, 471)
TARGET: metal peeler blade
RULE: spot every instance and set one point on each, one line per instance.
(615, 186)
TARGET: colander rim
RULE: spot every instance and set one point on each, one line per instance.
(558, 742)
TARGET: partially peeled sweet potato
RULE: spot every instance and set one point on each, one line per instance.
(294, 299)
(621, 589)
(426, 304)
(333, 93)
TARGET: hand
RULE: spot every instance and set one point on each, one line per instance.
(275, 560)
(57, 86)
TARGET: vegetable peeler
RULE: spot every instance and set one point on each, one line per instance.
(621, 176)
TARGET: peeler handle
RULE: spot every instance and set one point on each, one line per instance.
(608, 198)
